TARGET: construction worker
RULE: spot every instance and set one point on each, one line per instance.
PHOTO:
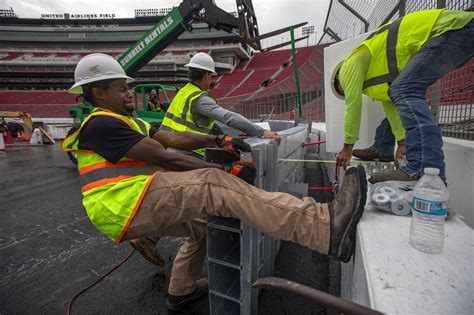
(194, 110)
(395, 65)
(133, 187)
(153, 103)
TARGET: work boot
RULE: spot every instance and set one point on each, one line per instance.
(176, 302)
(345, 212)
(368, 154)
(384, 176)
(147, 248)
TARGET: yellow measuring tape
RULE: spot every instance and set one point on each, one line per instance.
(333, 161)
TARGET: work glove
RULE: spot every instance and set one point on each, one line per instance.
(232, 145)
(244, 170)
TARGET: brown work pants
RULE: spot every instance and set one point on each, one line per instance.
(177, 203)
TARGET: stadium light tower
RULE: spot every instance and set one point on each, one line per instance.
(307, 30)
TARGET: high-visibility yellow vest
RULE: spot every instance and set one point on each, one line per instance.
(112, 193)
(178, 118)
(392, 46)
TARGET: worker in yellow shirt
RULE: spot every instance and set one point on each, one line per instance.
(395, 65)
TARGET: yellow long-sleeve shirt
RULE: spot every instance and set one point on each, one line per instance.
(354, 69)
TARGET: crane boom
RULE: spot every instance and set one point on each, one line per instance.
(170, 27)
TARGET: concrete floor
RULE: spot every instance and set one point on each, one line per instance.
(50, 251)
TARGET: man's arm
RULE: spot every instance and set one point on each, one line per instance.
(184, 140)
(352, 76)
(205, 108)
(153, 152)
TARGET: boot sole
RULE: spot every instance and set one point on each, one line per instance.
(343, 254)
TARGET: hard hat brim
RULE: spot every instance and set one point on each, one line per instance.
(77, 88)
(193, 65)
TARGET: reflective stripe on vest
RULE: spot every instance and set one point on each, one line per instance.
(141, 125)
(184, 122)
(105, 172)
(182, 116)
(391, 47)
(391, 50)
(179, 117)
(112, 192)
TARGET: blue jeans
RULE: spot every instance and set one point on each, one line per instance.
(438, 56)
(384, 141)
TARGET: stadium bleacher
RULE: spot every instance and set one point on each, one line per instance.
(261, 72)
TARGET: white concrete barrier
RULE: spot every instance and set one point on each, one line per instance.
(459, 158)
(387, 274)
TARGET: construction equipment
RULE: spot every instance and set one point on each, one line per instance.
(24, 116)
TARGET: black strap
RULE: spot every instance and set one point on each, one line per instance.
(391, 52)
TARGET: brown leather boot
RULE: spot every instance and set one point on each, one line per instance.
(391, 175)
(345, 212)
(176, 302)
(147, 248)
(368, 154)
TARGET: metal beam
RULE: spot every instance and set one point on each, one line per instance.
(395, 9)
(313, 295)
(283, 44)
(357, 15)
(333, 34)
(277, 32)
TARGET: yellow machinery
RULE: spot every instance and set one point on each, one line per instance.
(24, 116)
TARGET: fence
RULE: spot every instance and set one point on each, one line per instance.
(278, 100)
(451, 98)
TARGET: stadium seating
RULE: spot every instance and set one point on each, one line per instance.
(12, 56)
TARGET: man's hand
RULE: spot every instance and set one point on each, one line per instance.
(343, 158)
(232, 145)
(244, 170)
(268, 134)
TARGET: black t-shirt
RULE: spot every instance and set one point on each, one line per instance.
(109, 137)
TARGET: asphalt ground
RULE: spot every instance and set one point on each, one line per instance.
(50, 251)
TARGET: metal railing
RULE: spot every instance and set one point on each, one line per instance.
(278, 100)
(451, 98)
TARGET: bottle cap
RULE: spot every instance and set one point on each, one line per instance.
(431, 171)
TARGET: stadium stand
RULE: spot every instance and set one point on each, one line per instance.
(37, 64)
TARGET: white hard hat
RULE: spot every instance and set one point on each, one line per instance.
(202, 61)
(97, 67)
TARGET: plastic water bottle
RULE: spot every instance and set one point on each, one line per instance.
(429, 209)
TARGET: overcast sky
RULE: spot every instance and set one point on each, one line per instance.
(271, 15)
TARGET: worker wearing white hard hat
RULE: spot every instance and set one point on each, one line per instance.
(95, 68)
(194, 110)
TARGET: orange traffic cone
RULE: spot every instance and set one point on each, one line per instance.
(19, 136)
(26, 136)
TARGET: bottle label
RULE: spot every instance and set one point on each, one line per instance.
(429, 207)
